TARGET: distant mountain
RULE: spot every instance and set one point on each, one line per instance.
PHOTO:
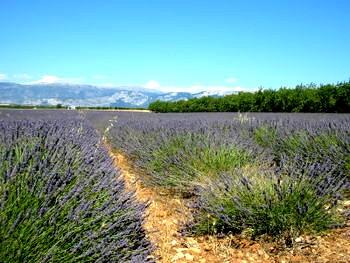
(88, 95)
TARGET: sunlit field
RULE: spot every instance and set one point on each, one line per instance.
(267, 176)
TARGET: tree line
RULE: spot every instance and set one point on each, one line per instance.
(302, 98)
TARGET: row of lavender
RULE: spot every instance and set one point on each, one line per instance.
(277, 174)
(61, 199)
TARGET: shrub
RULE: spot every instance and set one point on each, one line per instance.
(181, 161)
(265, 136)
(177, 150)
(305, 148)
(264, 203)
(61, 199)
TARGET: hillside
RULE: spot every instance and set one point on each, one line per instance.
(88, 95)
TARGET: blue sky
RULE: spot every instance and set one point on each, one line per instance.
(176, 44)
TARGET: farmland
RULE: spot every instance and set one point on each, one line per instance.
(267, 179)
(61, 198)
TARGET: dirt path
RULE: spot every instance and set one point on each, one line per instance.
(166, 214)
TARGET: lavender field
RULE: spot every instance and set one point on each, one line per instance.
(63, 200)
(276, 174)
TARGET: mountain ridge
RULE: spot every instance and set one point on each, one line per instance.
(89, 95)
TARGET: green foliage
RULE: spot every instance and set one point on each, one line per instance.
(20, 211)
(169, 164)
(263, 204)
(215, 160)
(313, 148)
(182, 161)
(326, 148)
(265, 136)
(303, 98)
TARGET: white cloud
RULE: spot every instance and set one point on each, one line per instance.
(152, 84)
(223, 89)
(47, 79)
(3, 76)
(231, 80)
(218, 89)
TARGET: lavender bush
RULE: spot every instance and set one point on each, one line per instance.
(177, 153)
(61, 199)
(258, 202)
(277, 174)
(174, 149)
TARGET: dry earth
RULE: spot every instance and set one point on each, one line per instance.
(166, 214)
